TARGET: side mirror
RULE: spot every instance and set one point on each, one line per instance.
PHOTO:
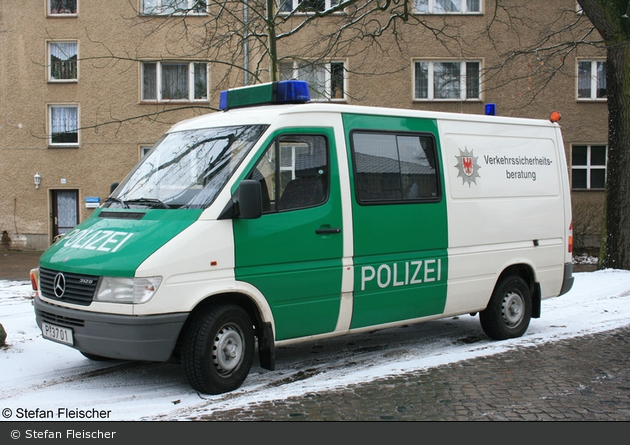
(112, 187)
(249, 199)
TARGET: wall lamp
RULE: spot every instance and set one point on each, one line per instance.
(37, 179)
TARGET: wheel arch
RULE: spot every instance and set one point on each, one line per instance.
(527, 273)
(259, 313)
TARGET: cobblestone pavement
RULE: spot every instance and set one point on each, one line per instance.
(581, 379)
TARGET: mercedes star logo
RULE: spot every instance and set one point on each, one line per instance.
(59, 285)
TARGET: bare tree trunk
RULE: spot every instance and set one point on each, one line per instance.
(271, 44)
(617, 247)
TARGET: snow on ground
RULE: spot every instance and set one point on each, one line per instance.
(40, 375)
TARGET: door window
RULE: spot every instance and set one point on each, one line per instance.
(294, 173)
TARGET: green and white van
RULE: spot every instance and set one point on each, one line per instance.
(275, 221)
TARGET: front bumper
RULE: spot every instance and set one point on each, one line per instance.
(124, 337)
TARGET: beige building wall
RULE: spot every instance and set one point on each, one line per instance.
(114, 123)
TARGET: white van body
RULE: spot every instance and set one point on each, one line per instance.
(402, 216)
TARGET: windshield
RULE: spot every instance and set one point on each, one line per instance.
(186, 169)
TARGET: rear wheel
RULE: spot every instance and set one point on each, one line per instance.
(509, 311)
(218, 349)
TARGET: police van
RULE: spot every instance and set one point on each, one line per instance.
(278, 220)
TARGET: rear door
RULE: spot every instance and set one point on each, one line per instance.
(399, 219)
(292, 254)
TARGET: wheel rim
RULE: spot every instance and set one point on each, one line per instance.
(513, 309)
(227, 350)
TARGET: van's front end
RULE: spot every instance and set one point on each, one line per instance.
(119, 284)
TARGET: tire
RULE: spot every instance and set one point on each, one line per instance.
(218, 349)
(509, 311)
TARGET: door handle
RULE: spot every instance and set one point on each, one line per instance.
(328, 231)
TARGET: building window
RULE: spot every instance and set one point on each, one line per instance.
(144, 150)
(62, 61)
(62, 7)
(447, 6)
(63, 124)
(174, 7)
(435, 80)
(394, 168)
(588, 167)
(591, 80)
(326, 81)
(287, 6)
(166, 81)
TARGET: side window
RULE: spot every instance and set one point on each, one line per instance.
(294, 173)
(394, 168)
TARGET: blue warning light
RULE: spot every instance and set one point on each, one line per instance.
(282, 92)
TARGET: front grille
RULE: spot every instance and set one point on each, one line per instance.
(60, 320)
(79, 289)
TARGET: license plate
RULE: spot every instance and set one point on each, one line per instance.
(57, 333)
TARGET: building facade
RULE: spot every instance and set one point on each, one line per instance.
(86, 86)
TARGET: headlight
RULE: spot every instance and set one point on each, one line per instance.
(127, 290)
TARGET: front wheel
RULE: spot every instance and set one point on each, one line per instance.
(509, 311)
(218, 349)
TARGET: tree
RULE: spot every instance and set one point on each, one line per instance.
(612, 21)
(560, 35)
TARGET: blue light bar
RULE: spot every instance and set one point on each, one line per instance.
(283, 92)
(491, 109)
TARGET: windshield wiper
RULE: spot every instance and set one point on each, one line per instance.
(151, 202)
(122, 203)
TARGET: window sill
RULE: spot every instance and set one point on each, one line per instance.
(56, 146)
(589, 100)
(588, 190)
(447, 100)
(175, 102)
(447, 13)
(176, 14)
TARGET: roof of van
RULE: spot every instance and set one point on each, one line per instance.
(266, 114)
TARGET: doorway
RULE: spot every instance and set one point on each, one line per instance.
(65, 211)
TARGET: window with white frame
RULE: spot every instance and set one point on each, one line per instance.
(287, 6)
(447, 80)
(326, 80)
(588, 166)
(447, 6)
(63, 125)
(167, 81)
(591, 80)
(62, 7)
(173, 7)
(62, 61)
